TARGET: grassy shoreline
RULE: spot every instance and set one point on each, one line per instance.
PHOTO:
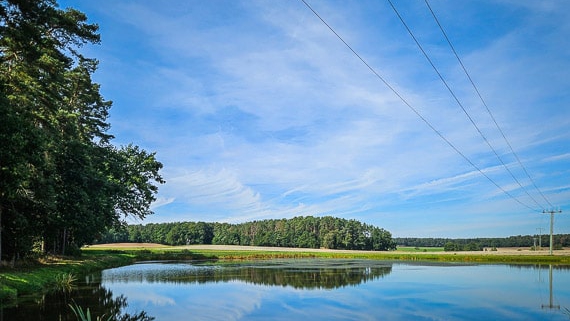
(39, 276)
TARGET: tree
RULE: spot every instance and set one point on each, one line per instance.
(37, 44)
(304, 232)
(133, 172)
(381, 240)
(451, 246)
(62, 182)
(330, 240)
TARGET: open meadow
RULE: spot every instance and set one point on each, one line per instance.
(516, 253)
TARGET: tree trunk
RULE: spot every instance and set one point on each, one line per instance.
(0, 234)
(63, 241)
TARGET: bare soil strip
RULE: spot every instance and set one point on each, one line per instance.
(500, 251)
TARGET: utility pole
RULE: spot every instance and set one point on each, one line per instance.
(551, 212)
(540, 237)
(550, 304)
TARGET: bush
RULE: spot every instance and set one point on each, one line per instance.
(450, 247)
(73, 250)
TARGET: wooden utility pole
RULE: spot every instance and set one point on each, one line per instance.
(540, 237)
(552, 212)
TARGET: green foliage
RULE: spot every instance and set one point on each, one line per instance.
(65, 281)
(41, 276)
(454, 246)
(85, 315)
(511, 241)
(419, 249)
(302, 232)
(79, 313)
(62, 182)
(450, 246)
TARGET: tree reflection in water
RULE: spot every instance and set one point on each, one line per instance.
(305, 274)
(55, 305)
(300, 274)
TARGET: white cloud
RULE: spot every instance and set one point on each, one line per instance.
(258, 111)
(161, 201)
(555, 158)
(215, 187)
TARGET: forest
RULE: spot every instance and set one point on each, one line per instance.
(307, 232)
(472, 244)
(62, 180)
(301, 232)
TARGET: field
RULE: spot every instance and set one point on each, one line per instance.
(419, 249)
(429, 253)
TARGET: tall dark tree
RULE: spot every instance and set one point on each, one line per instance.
(62, 182)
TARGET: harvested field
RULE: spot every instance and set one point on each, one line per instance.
(129, 246)
(500, 251)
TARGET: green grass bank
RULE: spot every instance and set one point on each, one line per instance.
(41, 275)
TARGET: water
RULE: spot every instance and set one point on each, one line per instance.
(313, 289)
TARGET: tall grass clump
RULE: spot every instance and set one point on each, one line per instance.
(65, 281)
(85, 315)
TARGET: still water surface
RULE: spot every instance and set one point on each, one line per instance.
(314, 289)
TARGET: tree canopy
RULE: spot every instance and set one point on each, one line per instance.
(468, 243)
(303, 232)
(62, 181)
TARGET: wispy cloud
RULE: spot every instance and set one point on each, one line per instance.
(556, 158)
(258, 111)
(218, 188)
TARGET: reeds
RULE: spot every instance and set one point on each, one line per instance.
(65, 281)
(85, 315)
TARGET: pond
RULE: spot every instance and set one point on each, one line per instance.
(312, 289)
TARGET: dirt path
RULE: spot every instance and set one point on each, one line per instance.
(500, 251)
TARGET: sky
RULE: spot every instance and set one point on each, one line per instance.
(259, 111)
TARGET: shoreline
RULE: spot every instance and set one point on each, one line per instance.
(40, 277)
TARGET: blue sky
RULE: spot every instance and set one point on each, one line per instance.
(257, 110)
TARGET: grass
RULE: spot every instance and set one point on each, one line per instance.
(405, 254)
(402, 253)
(419, 249)
(65, 281)
(85, 315)
(53, 272)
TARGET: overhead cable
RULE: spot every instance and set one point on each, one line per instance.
(485, 104)
(414, 110)
(452, 93)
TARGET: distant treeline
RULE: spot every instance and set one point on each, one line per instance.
(302, 232)
(559, 240)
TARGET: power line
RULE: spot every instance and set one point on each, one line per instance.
(414, 110)
(485, 104)
(460, 104)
